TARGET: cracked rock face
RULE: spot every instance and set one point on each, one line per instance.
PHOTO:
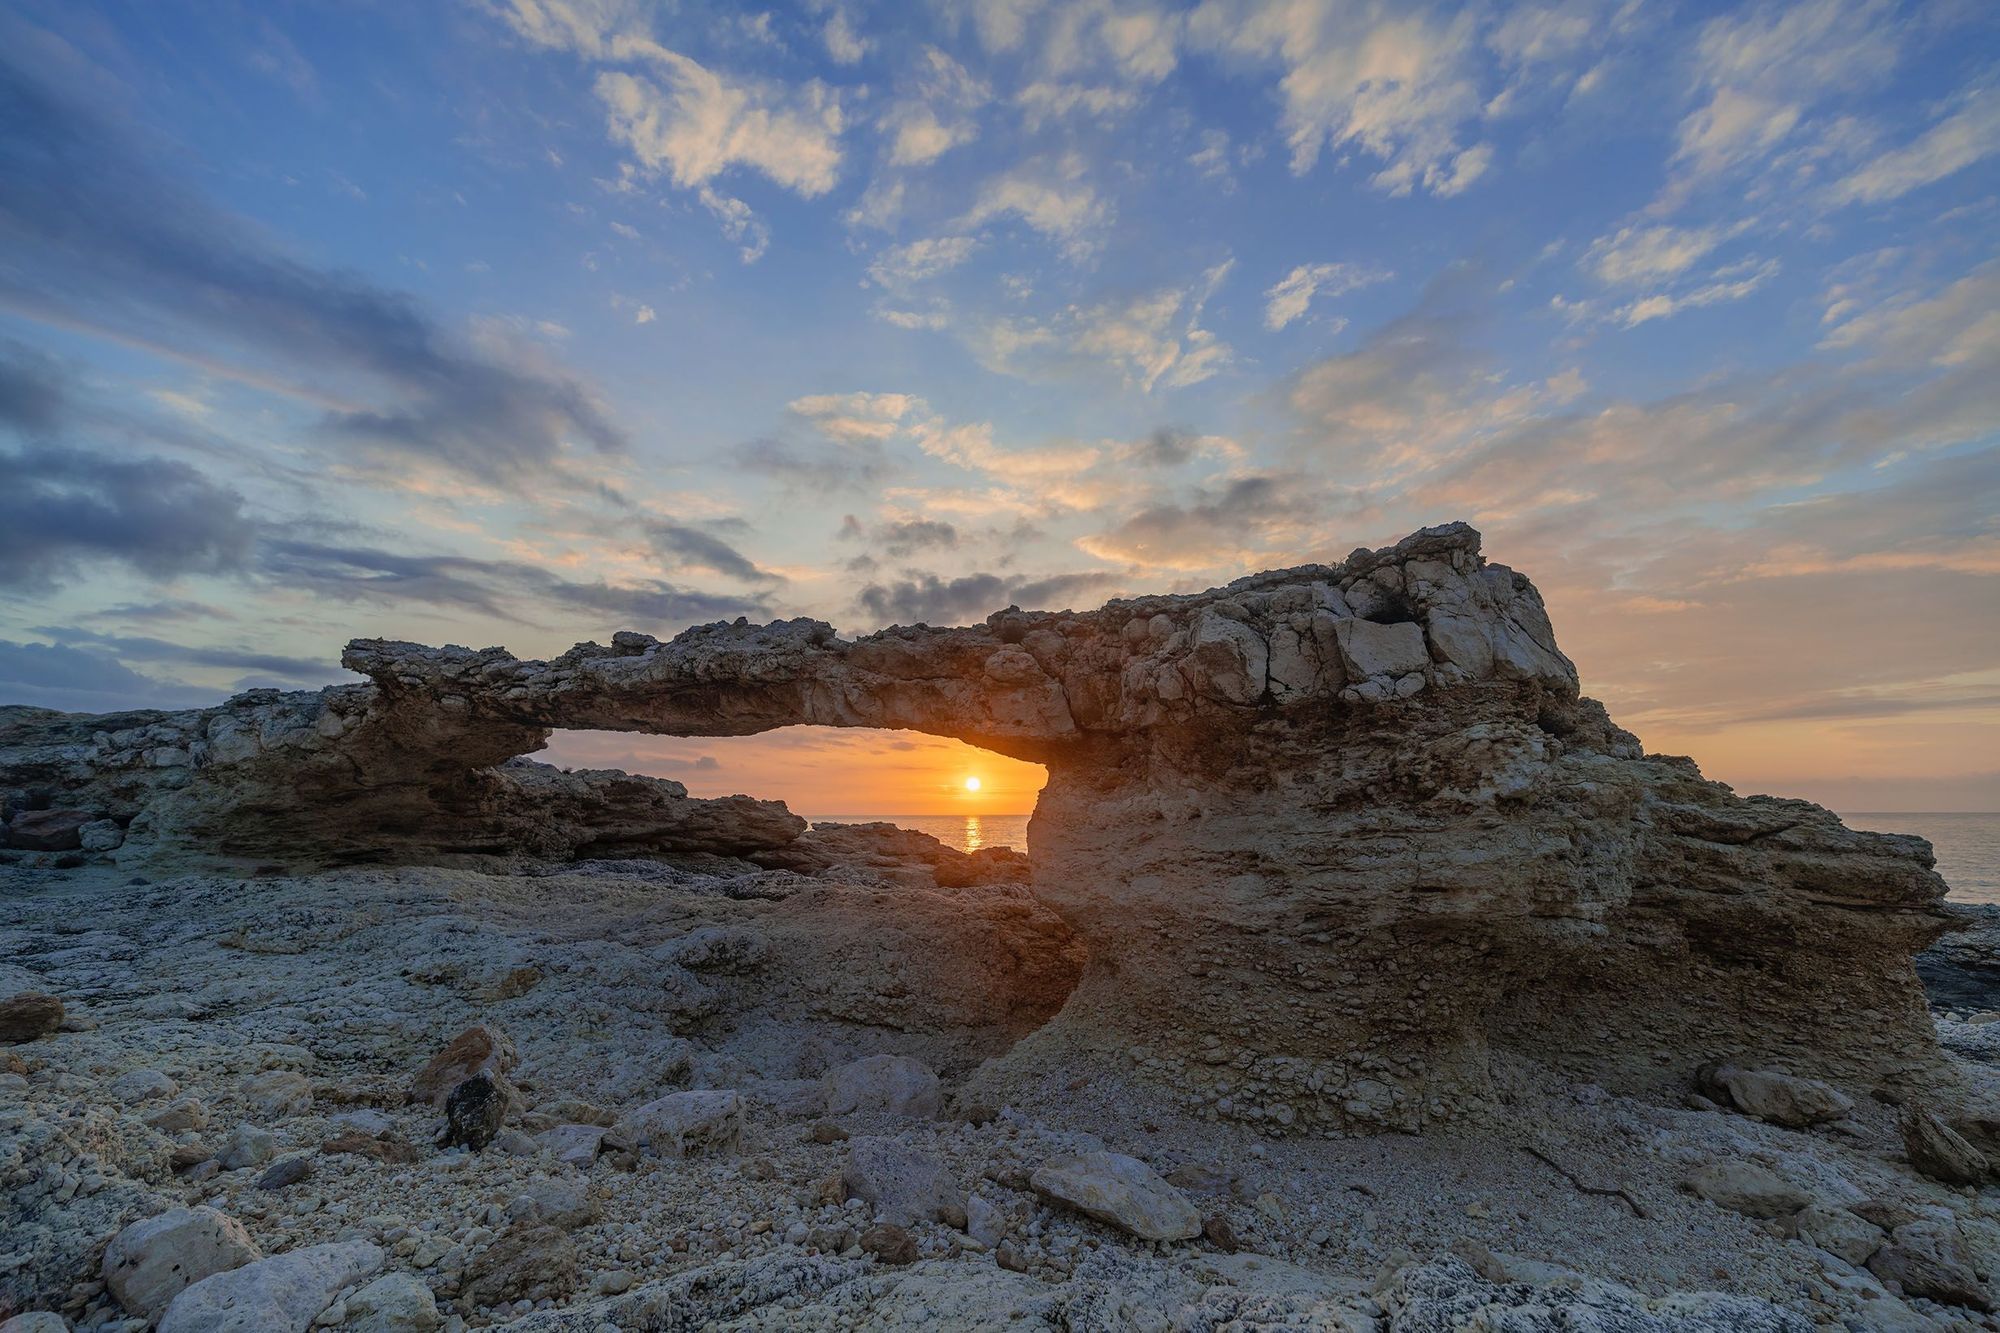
(1344, 842)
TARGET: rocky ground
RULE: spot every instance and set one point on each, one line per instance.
(709, 1095)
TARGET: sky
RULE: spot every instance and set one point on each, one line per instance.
(521, 322)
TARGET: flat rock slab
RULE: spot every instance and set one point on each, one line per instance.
(283, 1294)
(1122, 1191)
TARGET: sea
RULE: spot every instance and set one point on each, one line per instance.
(1967, 845)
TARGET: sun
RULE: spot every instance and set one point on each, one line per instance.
(972, 784)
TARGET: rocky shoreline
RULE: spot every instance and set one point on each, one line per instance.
(1364, 977)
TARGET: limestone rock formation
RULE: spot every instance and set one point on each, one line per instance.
(1344, 842)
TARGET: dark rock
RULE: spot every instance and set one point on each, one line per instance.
(29, 1015)
(1220, 1234)
(473, 1113)
(826, 1131)
(286, 1171)
(889, 1243)
(977, 1114)
(1928, 1258)
(1009, 1256)
(48, 830)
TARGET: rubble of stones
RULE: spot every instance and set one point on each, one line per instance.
(386, 1100)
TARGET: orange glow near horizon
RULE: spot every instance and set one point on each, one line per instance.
(820, 772)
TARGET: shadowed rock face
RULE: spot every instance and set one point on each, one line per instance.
(1344, 842)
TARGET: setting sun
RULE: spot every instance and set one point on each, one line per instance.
(972, 784)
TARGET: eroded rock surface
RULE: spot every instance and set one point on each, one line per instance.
(1344, 843)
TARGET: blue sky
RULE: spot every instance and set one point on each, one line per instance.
(522, 322)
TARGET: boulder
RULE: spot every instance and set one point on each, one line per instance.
(282, 1294)
(1121, 1191)
(889, 1244)
(35, 1321)
(48, 830)
(100, 835)
(904, 1182)
(1749, 1189)
(154, 1260)
(276, 1094)
(528, 1261)
(1927, 1258)
(565, 1204)
(28, 1015)
(474, 1112)
(1840, 1232)
(1778, 1098)
(684, 1122)
(573, 1145)
(247, 1145)
(1938, 1151)
(393, 1303)
(895, 1084)
(135, 1086)
(480, 1049)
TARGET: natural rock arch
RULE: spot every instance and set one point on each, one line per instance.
(1344, 842)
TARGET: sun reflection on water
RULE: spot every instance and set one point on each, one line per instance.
(974, 840)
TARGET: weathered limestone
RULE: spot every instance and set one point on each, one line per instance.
(1345, 845)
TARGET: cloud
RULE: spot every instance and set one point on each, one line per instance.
(1400, 86)
(1731, 284)
(102, 242)
(1288, 298)
(63, 509)
(921, 597)
(1968, 135)
(699, 124)
(847, 468)
(852, 418)
(491, 587)
(1049, 196)
(142, 648)
(693, 548)
(739, 224)
(900, 265)
(843, 45)
(1044, 101)
(1644, 254)
(82, 680)
(1226, 524)
(1151, 340)
(916, 534)
(1765, 67)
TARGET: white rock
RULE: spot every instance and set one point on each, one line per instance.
(984, 1223)
(153, 1260)
(1371, 650)
(683, 1122)
(36, 1321)
(563, 1203)
(283, 1294)
(101, 835)
(1779, 1098)
(1121, 1190)
(896, 1084)
(573, 1145)
(905, 1183)
(246, 1145)
(394, 1303)
(142, 1085)
(1749, 1189)
(1840, 1232)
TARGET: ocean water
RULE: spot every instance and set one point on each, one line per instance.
(1968, 846)
(968, 833)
